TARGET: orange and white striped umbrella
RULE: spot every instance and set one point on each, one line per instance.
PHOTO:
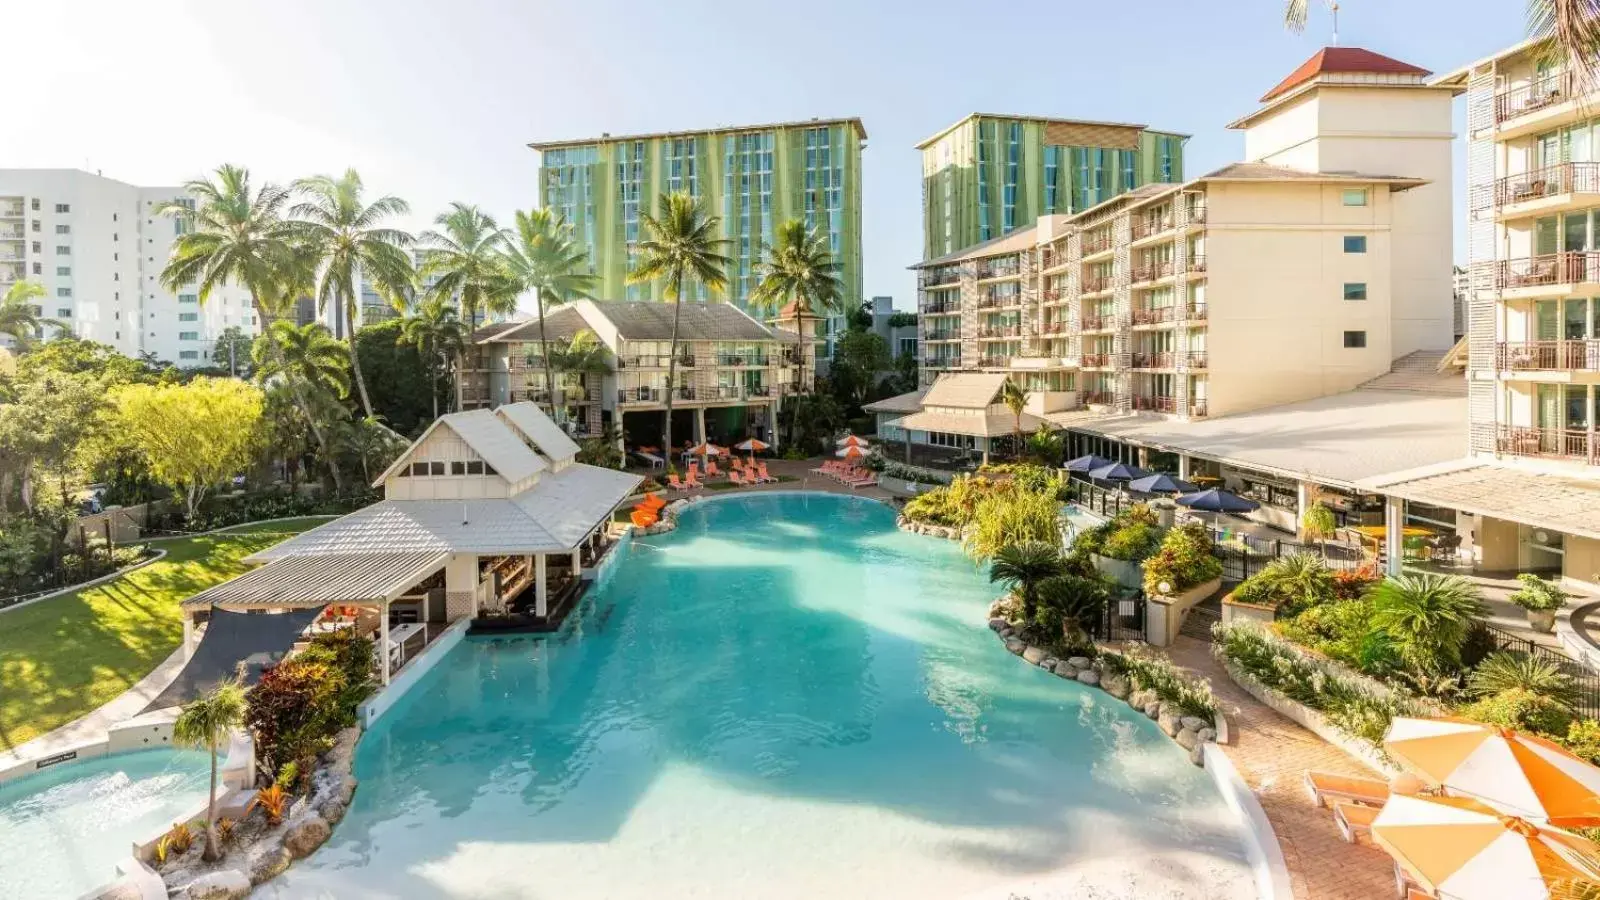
(1519, 773)
(706, 449)
(1461, 849)
(751, 444)
(851, 440)
(851, 451)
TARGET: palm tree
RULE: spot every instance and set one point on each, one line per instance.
(1428, 617)
(1015, 398)
(205, 723)
(583, 356)
(1079, 599)
(681, 246)
(541, 256)
(800, 269)
(307, 355)
(434, 328)
(236, 233)
(348, 237)
(463, 260)
(18, 316)
(1021, 567)
(1571, 30)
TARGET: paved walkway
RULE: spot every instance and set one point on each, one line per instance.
(94, 726)
(1272, 754)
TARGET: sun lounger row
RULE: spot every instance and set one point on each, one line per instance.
(1356, 803)
(847, 473)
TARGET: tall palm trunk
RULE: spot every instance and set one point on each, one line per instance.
(210, 852)
(295, 390)
(799, 378)
(672, 368)
(544, 354)
(433, 379)
(355, 358)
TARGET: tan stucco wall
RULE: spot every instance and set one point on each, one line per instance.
(1496, 544)
(1582, 562)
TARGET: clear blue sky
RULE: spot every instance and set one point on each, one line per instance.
(435, 101)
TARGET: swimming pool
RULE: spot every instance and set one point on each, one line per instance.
(786, 697)
(63, 830)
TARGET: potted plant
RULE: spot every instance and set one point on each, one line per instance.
(1541, 599)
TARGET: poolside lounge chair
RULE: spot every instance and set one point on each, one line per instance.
(652, 501)
(1354, 820)
(1325, 786)
(737, 479)
(761, 473)
(674, 483)
(643, 518)
(692, 481)
(711, 469)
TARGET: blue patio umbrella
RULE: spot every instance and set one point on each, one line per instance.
(1214, 500)
(1084, 464)
(1117, 472)
(1160, 483)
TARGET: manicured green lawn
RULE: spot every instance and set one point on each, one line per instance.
(62, 658)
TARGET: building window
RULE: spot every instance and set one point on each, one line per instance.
(1355, 340)
(36, 204)
(63, 312)
(188, 354)
(64, 271)
(1355, 197)
(62, 250)
(38, 269)
(1355, 290)
(1355, 243)
(63, 208)
(188, 298)
(38, 247)
(188, 317)
(63, 292)
(63, 229)
(195, 336)
(36, 225)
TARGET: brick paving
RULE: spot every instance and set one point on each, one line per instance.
(1272, 754)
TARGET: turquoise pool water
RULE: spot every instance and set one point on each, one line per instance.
(63, 830)
(786, 697)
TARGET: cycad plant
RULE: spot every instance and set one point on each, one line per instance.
(349, 239)
(1427, 617)
(1505, 670)
(541, 256)
(680, 248)
(1021, 567)
(799, 268)
(1298, 580)
(205, 724)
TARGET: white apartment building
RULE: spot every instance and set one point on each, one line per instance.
(1305, 271)
(97, 246)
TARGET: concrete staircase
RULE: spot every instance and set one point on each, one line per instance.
(1418, 373)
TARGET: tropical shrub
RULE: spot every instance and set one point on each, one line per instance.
(294, 711)
(1184, 560)
(1427, 617)
(1075, 602)
(1318, 523)
(1348, 584)
(351, 656)
(1351, 704)
(1538, 595)
(1300, 580)
(1507, 670)
(953, 505)
(1521, 709)
(910, 474)
(1021, 567)
(176, 842)
(1153, 673)
(1342, 630)
(1010, 513)
(273, 801)
(1583, 739)
(1134, 542)
(225, 827)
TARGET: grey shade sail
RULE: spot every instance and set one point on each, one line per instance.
(257, 640)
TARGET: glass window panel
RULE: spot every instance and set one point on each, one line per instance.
(1547, 320)
(1545, 232)
(1576, 233)
(1576, 397)
(1578, 149)
(1576, 319)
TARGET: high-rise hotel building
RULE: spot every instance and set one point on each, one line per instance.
(753, 178)
(989, 175)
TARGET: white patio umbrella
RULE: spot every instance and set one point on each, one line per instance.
(750, 445)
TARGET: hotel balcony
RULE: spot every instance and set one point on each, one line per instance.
(1003, 302)
(654, 362)
(1548, 356)
(1095, 361)
(1537, 105)
(999, 270)
(1056, 327)
(1095, 284)
(1197, 214)
(1197, 408)
(941, 362)
(1153, 360)
(1191, 360)
(1195, 312)
(1196, 263)
(1552, 189)
(1096, 244)
(1156, 404)
(942, 306)
(933, 278)
(1548, 443)
(1550, 275)
(11, 211)
(1150, 226)
(994, 332)
(943, 334)
(1159, 315)
(1098, 398)
(1053, 295)
(1106, 322)
(993, 362)
(735, 361)
(1151, 271)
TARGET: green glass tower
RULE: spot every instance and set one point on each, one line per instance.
(752, 177)
(988, 175)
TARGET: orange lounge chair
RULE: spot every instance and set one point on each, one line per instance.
(711, 469)
(692, 481)
(1325, 786)
(737, 462)
(737, 479)
(761, 472)
(1354, 820)
(674, 483)
(643, 518)
(652, 501)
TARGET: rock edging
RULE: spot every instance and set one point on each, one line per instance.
(1191, 733)
(943, 532)
(668, 520)
(307, 826)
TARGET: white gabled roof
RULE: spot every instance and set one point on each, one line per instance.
(550, 517)
(964, 390)
(537, 427)
(489, 436)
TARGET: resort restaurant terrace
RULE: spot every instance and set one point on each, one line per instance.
(487, 515)
(960, 412)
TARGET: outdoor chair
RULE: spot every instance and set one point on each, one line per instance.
(1326, 786)
(674, 483)
(711, 469)
(736, 478)
(1354, 820)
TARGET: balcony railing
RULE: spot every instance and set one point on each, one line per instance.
(653, 362)
(1000, 301)
(1517, 440)
(1195, 311)
(1197, 214)
(11, 211)
(1099, 397)
(1197, 408)
(937, 307)
(1576, 355)
(990, 362)
(999, 270)
(1095, 361)
(1053, 295)
(936, 277)
(1156, 404)
(639, 395)
(1563, 178)
(1197, 262)
(1096, 243)
(734, 359)
(1154, 316)
(1535, 95)
(1093, 284)
(1099, 323)
(942, 334)
(1145, 226)
(1000, 331)
(1056, 327)
(1152, 270)
(1570, 267)
(1192, 359)
(1152, 360)
(942, 362)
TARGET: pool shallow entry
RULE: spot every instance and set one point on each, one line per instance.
(64, 829)
(786, 697)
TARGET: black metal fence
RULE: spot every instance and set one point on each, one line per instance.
(1584, 680)
(1121, 619)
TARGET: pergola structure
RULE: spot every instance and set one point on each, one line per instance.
(484, 507)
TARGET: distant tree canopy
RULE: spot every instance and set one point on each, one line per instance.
(399, 377)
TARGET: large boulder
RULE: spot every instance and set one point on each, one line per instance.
(1065, 670)
(1194, 723)
(1187, 738)
(1152, 709)
(1115, 685)
(1167, 721)
(223, 884)
(1088, 676)
(306, 835)
(1208, 735)
(266, 861)
(1033, 654)
(1015, 645)
(997, 624)
(1198, 755)
(331, 811)
(1080, 662)
(1049, 662)
(1139, 699)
